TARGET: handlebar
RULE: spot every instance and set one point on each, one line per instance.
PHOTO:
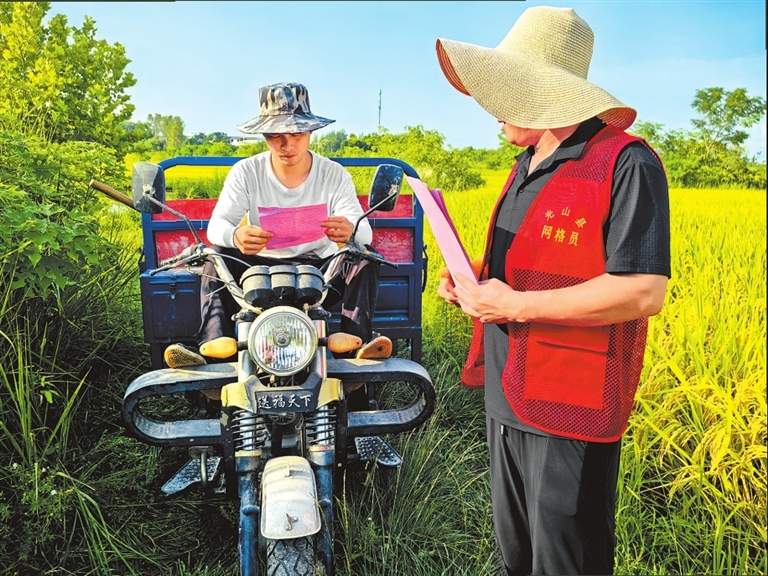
(355, 249)
(375, 256)
(198, 253)
(190, 253)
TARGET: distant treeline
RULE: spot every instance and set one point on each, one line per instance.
(711, 155)
(438, 164)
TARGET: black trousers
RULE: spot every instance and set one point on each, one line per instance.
(554, 502)
(356, 288)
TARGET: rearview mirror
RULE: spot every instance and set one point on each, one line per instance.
(148, 180)
(385, 187)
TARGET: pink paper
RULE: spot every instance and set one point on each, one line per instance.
(293, 226)
(447, 238)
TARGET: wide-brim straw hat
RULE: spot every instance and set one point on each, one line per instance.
(537, 76)
(284, 109)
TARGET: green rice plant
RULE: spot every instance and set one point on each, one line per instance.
(189, 188)
(695, 474)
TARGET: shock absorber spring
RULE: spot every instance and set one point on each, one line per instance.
(321, 425)
(249, 431)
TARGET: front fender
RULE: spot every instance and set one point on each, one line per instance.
(289, 504)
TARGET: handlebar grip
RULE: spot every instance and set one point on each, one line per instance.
(112, 193)
(182, 256)
(374, 256)
(170, 261)
(188, 254)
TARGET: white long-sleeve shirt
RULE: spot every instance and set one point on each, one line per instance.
(252, 183)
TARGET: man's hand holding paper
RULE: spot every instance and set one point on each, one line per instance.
(338, 229)
(491, 301)
(251, 239)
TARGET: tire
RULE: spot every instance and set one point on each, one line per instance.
(293, 557)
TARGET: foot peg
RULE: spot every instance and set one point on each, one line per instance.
(377, 449)
(201, 469)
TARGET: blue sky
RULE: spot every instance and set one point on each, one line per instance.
(204, 61)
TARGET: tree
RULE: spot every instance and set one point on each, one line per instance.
(329, 143)
(500, 158)
(712, 155)
(423, 149)
(219, 148)
(725, 113)
(250, 149)
(173, 131)
(217, 137)
(198, 138)
(59, 82)
(168, 129)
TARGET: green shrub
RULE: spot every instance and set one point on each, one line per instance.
(51, 239)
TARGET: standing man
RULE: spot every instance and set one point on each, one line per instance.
(288, 175)
(577, 258)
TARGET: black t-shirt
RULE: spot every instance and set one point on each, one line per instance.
(636, 235)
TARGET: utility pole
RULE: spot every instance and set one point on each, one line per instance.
(379, 125)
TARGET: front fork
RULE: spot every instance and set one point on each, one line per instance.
(248, 468)
(321, 457)
(249, 436)
(321, 431)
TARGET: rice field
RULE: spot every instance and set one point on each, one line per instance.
(693, 495)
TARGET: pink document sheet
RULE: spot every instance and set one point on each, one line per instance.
(447, 238)
(293, 226)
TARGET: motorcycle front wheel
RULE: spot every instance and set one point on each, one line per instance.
(293, 557)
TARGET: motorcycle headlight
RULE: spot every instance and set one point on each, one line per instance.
(282, 341)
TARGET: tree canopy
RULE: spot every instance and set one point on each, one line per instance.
(713, 153)
(725, 113)
(58, 82)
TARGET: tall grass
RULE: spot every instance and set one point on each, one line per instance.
(51, 352)
(432, 515)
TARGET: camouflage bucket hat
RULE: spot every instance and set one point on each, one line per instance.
(284, 109)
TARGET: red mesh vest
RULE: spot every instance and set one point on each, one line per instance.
(577, 382)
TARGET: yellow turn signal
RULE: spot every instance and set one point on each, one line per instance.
(223, 347)
(343, 342)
